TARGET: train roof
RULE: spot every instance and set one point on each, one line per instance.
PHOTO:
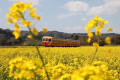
(59, 38)
(47, 37)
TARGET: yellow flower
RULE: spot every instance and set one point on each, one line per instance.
(96, 18)
(20, 68)
(91, 25)
(109, 29)
(87, 29)
(31, 10)
(44, 30)
(29, 5)
(24, 22)
(16, 11)
(96, 44)
(29, 36)
(65, 77)
(15, 16)
(13, 8)
(16, 75)
(101, 26)
(90, 34)
(108, 40)
(8, 15)
(98, 33)
(38, 18)
(39, 71)
(29, 23)
(15, 20)
(16, 34)
(90, 72)
(101, 20)
(105, 22)
(28, 75)
(35, 31)
(17, 28)
(10, 21)
(21, 7)
(89, 40)
(29, 65)
(33, 15)
(98, 29)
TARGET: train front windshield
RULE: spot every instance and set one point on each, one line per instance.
(46, 39)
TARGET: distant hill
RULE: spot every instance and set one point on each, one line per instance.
(7, 38)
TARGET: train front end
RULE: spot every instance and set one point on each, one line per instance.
(46, 41)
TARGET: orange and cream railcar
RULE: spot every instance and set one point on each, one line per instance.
(58, 42)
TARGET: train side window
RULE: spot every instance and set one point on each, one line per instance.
(44, 39)
(49, 40)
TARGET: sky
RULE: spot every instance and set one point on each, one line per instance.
(69, 16)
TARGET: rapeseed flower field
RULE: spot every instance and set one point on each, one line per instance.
(62, 63)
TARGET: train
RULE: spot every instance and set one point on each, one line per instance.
(49, 41)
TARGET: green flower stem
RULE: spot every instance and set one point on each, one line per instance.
(94, 55)
(96, 50)
(38, 52)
